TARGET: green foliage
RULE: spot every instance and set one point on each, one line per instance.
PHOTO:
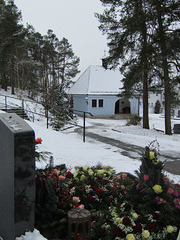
(153, 190)
(30, 61)
(59, 107)
(143, 38)
(134, 120)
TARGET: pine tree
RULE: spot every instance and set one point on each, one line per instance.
(144, 38)
(125, 23)
(67, 63)
(166, 15)
(59, 106)
(157, 107)
(11, 40)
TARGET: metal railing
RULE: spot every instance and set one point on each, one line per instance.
(26, 110)
(84, 122)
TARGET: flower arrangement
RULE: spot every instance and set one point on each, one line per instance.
(123, 206)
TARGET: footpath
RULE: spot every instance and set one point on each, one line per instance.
(129, 150)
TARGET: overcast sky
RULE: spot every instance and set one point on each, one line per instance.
(72, 19)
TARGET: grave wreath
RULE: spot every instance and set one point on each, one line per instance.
(122, 206)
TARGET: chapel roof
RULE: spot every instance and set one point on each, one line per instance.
(96, 80)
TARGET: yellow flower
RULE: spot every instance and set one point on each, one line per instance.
(145, 234)
(151, 155)
(170, 229)
(117, 221)
(82, 177)
(130, 237)
(101, 171)
(134, 215)
(157, 189)
(75, 175)
(90, 171)
(104, 166)
(85, 168)
(155, 161)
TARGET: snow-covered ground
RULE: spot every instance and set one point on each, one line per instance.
(67, 146)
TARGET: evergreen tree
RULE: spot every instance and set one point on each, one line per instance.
(157, 107)
(11, 41)
(166, 15)
(126, 25)
(59, 107)
(143, 35)
(67, 63)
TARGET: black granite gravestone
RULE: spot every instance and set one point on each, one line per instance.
(17, 176)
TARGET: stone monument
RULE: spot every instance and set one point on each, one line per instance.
(17, 177)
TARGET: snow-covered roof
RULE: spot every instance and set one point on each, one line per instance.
(96, 80)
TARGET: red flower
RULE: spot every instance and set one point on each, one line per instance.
(151, 227)
(177, 203)
(137, 228)
(160, 200)
(127, 206)
(175, 194)
(170, 191)
(140, 219)
(38, 141)
(126, 221)
(90, 198)
(111, 199)
(69, 175)
(155, 215)
(99, 191)
(146, 177)
(177, 185)
(118, 232)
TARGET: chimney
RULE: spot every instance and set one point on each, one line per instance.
(104, 61)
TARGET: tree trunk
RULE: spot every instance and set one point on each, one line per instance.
(4, 81)
(167, 91)
(145, 68)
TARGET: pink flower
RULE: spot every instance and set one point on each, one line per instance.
(146, 177)
(122, 187)
(118, 177)
(61, 177)
(160, 200)
(124, 176)
(81, 206)
(165, 178)
(170, 191)
(175, 194)
(76, 199)
(55, 171)
(138, 186)
(177, 203)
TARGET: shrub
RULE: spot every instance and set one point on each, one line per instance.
(157, 107)
(134, 120)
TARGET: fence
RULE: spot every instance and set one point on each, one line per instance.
(26, 110)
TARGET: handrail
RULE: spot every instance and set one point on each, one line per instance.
(84, 121)
(46, 111)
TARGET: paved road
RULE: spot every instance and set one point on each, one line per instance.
(133, 151)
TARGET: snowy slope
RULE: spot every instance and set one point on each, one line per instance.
(67, 147)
